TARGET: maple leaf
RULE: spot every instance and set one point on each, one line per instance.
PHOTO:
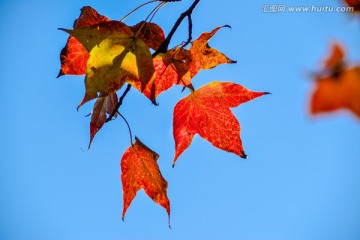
(205, 57)
(74, 56)
(335, 62)
(116, 57)
(140, 171)
(170, 69)
(335, 93)
(337, 86)
(206, 112)
(103, 105)
(151, 33)
(180, 57)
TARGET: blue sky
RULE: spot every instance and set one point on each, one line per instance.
(302, 178)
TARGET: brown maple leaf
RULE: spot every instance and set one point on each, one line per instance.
(103, 105)
(74, 56)
(171, 69)
(151, 33)
(337, 85)
(206, 112)
(140, 171)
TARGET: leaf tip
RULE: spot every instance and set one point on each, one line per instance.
(153, 101)
(91, 139)
(63, 29)
(169, 225)
(60, 74)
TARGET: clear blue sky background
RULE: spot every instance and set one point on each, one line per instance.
(302, 178)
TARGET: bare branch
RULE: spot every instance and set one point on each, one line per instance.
(164, 46)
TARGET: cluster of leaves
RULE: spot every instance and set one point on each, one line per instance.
(337, 85)
(110, 54)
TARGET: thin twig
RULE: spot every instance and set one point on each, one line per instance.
(156, 10)
(127, 123)
(190, 31)
(136, 9)
(164, 46)
(116, 109)
(152, 13)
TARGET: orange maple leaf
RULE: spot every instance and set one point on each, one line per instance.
(336, 93)
(337, 86)
(206, 112)
(179, 66)
(74, 56)
(140, 171)
(205, 57)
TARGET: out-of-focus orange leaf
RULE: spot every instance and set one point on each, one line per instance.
(205, 57)
(336, 58)
(342, 92)
(116, 57)
(140, 171)
(337, 85)
(103, 105)
(151, 33)
(74, 56)
(206, 112)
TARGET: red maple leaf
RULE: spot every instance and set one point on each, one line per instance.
(140, 171)
(206, 112)
(74, 56)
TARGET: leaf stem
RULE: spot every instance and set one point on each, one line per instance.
(128, 125)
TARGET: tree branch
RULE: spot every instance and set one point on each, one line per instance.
(164, 46)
